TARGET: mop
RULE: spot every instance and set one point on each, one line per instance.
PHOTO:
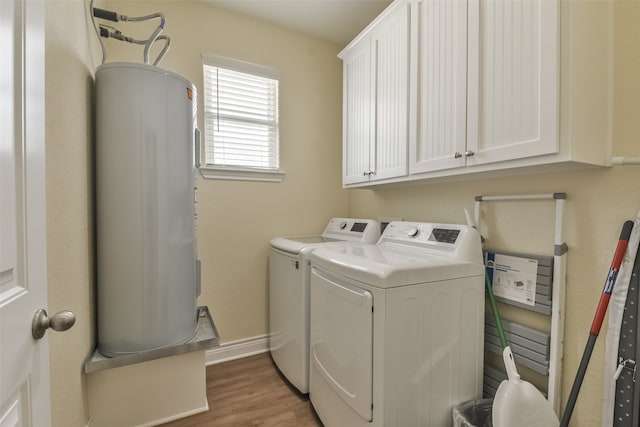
(517, 402)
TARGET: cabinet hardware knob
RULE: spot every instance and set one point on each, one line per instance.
(469, 153)
(457, 155)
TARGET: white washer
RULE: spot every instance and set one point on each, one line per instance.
(397, 327)
(289, 270)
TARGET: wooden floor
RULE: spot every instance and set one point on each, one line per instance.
(251, 392)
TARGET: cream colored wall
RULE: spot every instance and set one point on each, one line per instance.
(237, 219)
(598, 202)
(70, 271)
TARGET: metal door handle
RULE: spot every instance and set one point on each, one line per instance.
(469, 153)
(457, 155)
(61, 321)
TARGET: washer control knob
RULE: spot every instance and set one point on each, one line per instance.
(343, 225)
(413, 232)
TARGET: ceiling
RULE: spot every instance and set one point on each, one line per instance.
(337, 21)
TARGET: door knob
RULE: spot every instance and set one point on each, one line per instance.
(469, 153)
(457, 155)
(61, 321)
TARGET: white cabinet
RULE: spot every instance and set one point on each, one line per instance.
(376, 99)
(512, 109)
(357, 112)
(488, 73)
(495, 87)
(439, 109)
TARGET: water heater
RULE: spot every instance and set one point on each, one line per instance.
(145, 183)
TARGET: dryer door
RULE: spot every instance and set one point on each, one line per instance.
(342, 340)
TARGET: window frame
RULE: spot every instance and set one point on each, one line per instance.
(241, 173)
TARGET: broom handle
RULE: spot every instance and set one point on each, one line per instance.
(597, 320)
(494, 310)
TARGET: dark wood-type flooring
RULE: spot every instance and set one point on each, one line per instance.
(251, 392)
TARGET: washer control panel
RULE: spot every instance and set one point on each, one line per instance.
(413, 232)
(461, 241)
(362, 230)
(444, 235)
(424, 232)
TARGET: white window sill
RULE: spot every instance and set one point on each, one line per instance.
(241, 174)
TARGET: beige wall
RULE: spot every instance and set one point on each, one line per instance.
(598, 202)
(237, 219)
(69, 110)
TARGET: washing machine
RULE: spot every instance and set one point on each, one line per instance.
(396, 327)
(289, 272)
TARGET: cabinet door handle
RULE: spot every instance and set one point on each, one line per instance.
(457, 155)
(469, 153)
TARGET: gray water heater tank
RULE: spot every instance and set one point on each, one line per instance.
(145, 184)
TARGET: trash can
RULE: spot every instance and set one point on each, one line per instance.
(474, 413)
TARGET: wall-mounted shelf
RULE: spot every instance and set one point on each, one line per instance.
(206, 337)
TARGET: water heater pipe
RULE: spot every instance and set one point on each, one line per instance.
(108, 31)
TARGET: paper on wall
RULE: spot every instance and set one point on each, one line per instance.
(514, 278)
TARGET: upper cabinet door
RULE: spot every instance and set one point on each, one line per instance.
(439, 107)
(390, 42)
(513, 79)
(357, 112)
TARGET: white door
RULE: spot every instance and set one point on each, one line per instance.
(24, 361)
(341, 329)
(440, 108)
(390, 44)
(289, 317)
(513, 79)
(357, 113)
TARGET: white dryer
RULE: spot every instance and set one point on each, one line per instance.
(397, 327)
(289, 272)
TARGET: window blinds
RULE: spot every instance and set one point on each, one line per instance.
(240, 115)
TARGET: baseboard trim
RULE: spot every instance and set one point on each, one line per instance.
(237, 349)
(204, 408)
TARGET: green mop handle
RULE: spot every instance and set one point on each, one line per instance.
(494, 310)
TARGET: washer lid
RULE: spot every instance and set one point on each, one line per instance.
(337, 230)
(386, 267)
(301, 244)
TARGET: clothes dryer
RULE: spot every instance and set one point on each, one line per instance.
(289, 270)
(396, 328)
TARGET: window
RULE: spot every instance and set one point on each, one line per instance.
(240, 120)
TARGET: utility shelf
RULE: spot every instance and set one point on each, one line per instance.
(206, 337)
